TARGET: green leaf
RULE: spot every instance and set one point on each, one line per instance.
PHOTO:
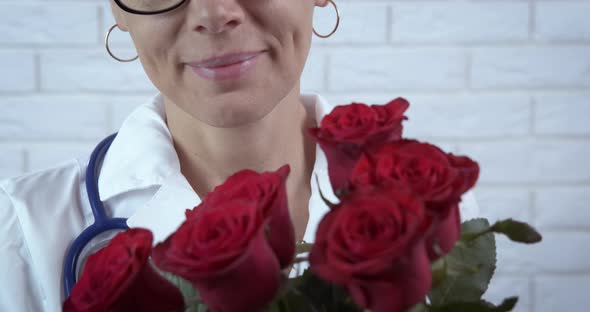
(420, 307)
(517, 231)
(439, 272)
(191, 296)
(479, 306)
(291, 302)
(508, 304)
(470, 267)
(318, 295)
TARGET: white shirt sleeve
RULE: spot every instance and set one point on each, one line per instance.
(19, 290)
(469, 207)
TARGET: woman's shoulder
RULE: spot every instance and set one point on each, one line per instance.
(40, 212)
(58, 177)
(45, 193)
(19, 286)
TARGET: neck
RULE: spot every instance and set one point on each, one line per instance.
(264, 145)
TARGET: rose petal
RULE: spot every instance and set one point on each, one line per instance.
(341, 159)
(446, 231)
(268, 191)
(250, 285)
(148, 293)
(468, 172)
(281, 235)
(211, 242)
(406, 285)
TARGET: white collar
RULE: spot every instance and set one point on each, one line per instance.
(143, 155)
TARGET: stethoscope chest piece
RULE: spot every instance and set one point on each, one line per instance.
(96, 244)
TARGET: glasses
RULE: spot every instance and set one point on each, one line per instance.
(149, 7)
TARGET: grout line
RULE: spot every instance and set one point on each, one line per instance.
(525, 187)
(564, 138)
(26, 160)
(110, 117)
(532, 19)
(23, 155)
(327, 71)
(37, 71)
(573, 273)
(532, 206)
(355, 45)
(566, 228)
(389, 20)
(468, 68)
(100, 24)
(532, 115)
(532, 291)
(534, 184)
(423, 90)
(63, 142)
(534, 273)
(425, 93)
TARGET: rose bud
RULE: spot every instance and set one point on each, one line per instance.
(269, 191)
(221, 251)
(241, 232)
(438, 178)
(119, 278)
(350, 129)
(372, 243)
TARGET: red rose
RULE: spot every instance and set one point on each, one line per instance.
(438, 178)
(120, 278)
(349, 129)
(223, 247)
(372, 243)
(269, 192)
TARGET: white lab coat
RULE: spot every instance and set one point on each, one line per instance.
(42, 212)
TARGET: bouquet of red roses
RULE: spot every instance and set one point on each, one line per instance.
(393, 242)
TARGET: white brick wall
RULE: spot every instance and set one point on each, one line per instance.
(505, 81)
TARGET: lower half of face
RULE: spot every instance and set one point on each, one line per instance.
(238, 94)
(242, 93)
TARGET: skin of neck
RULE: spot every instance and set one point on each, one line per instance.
(209, 155)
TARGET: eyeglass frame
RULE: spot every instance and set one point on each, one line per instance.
(133, 11)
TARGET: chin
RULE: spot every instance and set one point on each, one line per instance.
(236, 114)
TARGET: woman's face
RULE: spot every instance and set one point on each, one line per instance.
(202, 29)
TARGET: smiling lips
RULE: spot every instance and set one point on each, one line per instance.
(229, 66)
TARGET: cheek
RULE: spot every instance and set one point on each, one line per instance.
(154, 41)
(290, 27)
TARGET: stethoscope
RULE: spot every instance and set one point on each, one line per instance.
(103, 228)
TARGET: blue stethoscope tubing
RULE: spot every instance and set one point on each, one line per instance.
(102, 223)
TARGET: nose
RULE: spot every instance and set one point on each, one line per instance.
(215, 16)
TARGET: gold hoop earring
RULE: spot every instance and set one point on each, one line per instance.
(106, 40)
(335, 27)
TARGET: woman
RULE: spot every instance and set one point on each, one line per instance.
(228, 72)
